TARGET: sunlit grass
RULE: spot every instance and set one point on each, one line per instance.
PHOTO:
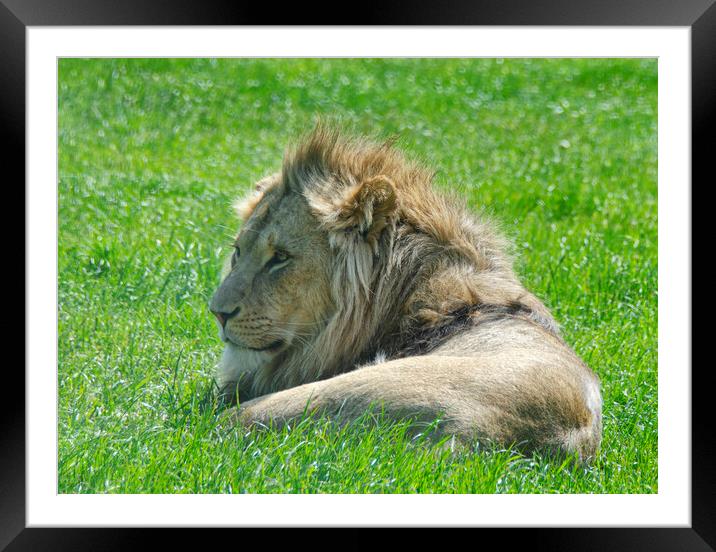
(152, 152)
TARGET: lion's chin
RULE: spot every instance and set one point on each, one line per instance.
(274, 347)
(271, 348)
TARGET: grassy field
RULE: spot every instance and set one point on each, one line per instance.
(152, 152)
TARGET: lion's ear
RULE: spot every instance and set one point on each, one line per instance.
(267, 182)
(246, 204)
(365, 209)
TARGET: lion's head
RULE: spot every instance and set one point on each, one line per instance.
(341, 256)
(276, 282)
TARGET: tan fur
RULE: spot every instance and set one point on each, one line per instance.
(349, 255)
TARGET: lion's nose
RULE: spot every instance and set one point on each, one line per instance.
(223, 317)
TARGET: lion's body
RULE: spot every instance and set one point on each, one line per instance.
(392, 295)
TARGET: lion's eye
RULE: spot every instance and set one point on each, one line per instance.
(279, 259)
(235, 256)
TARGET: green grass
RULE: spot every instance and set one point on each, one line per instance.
(151, 153)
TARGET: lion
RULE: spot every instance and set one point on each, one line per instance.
(355, 283)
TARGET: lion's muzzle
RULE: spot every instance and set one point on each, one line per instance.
(223, 317)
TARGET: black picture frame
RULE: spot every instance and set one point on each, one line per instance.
(699, 15)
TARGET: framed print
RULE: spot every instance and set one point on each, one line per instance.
(574, 132)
